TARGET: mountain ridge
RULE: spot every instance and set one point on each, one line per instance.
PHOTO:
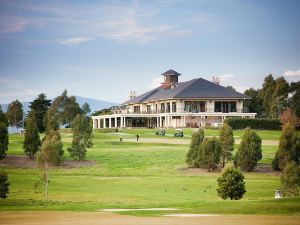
(95, 104)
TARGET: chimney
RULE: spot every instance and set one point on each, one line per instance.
(216, 80)
(132, 95)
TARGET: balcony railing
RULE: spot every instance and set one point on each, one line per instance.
(178, 110)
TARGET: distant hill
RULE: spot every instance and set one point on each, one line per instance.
(94, 104)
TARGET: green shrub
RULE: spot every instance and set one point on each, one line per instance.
(249, 151)
(290, 179)
(254, 123)
(4, 190)
(210, 153)
(193, 152)
(227, 143)
(288, 147)
(231, 183)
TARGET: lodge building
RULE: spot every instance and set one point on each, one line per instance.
(194, 103)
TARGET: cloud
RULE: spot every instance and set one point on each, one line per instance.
(75, 41)
(156, 82)
(136, 22)
(4, 80)
(26, 92)
(226, 77)
(291, 73)
(15, 23)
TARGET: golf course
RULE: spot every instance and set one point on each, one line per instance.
(140, 178)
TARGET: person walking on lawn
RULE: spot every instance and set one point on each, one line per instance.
(137, 137)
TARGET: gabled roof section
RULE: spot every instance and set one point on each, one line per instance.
(202, 88)
(171, 72)
(196, 88)
(142, 97)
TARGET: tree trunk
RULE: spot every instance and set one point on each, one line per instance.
(223, 162)
(46, 180)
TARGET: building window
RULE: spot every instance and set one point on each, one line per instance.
(136, 109)
(194, 107)
(148, 108)
(168, 107)
(173, 106)
(225, 107)
(162, 107)
(187, 107)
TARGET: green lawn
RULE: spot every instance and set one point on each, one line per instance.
(130, 133)
(141, 175)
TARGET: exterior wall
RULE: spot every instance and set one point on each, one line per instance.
(239, 106)
(210, 106)
(178, 119)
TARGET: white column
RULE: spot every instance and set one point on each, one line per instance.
(99, 123)
(184, 123)
(160, 121)
(109, 122)
(104, 122)
(121, 121)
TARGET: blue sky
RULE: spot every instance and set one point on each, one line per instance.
(105, 49)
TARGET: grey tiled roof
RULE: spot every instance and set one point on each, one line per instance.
(196, 88)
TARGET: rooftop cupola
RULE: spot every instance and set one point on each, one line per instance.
(170, 78)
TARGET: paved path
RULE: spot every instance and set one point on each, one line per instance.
(185, 141)
(100, 218)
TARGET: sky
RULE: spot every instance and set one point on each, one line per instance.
(105, 49)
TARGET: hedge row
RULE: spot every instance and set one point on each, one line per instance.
(259, 123)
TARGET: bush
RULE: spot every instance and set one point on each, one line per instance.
(32, 141)
(196, 141)
(227, 143)
(254, 123)
(3, 140)
(82, 137)
(249, 151)
(231, 183)
(288, 147)
(3, 184)
(275, 162)
(210, 153)
(290, 180)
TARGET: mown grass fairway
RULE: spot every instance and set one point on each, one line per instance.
(142, 175)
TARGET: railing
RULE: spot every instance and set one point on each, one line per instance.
(180, 110)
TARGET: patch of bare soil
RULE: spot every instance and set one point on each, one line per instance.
(21, 161)
(98, 218)
(265, 169)
(188, 170)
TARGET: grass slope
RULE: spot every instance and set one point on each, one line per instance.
(141, 175)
